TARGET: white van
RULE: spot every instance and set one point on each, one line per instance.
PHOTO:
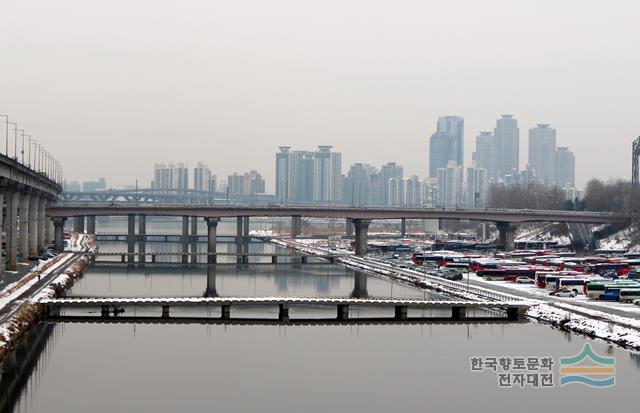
(628, 295)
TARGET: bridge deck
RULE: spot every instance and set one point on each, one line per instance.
(200, 301)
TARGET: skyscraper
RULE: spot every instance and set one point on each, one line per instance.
(565, 168)
(485, 154)
(542, 152)
(446, 144)
(201, 177)
(327, 175)
(388, 171)
(507, 147)
(449, 186)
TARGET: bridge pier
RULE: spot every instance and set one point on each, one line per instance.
(458, 313)
(212, 228)
(274, 259)
(165, 311)
(194, 240)
(349, 228)
(210, 291)
(11, 229)
(360, 285)
(2, 262)
(78, 224)
(33, 226)
(185, 240)
(401, 312)
(239, 234)
(245, 240)
(58, 229)
(225, 312)
(24, 228)
(516, 313)
(296, 226)
(50, 234)
(42, 222)
(142, 235)
(91, 224)
(362, 228)
(131, 238)
(507, 233)
(403, 227)
(283, 313)
(343, 312)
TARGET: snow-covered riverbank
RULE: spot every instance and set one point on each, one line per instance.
(623, 331)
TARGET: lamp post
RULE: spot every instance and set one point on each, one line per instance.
(6, 136)
(15, 129)
(15, 142)
(31, 140)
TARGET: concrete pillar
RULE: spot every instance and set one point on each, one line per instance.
(458, 313)
(142, 236)
(11, 230)
(91, 224)
(360, 285)
(211, 282)
(42, 222)
(349, 228)
(362, 228)
(403, 227)
(225, 312)
(185, 240)
(401, 312)
(212, 228)
(194, 240)
(78, 224)
(131, 238)
(33, 226)
(296, 226)
(239, 235)
(283, 313)
(343, 312)
(23, 234)
(58, 229)
(2, 263)
(50, 233)
(165, 311)
(245, 238)
(507, 235)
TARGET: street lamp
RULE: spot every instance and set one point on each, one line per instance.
(15, 133)
(6, 136)
(28, 140)
(15, 142)
(31, 140)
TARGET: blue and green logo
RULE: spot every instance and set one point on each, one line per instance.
(588, 368)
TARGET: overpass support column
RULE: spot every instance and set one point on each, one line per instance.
(194, 240)
(142, 235)
(239, 235)
(58, 229)
(131, 238)
(210, 291)
(245, 239)
(403, 227)
(2, 263)
(78, 224)
(91, 224)
(362, 229)
(42, 222)
(185, 240)
(33, 225)
(296, 226)
(24, 228)
(11, 229)
(212, 228)
(507, 234)
(360, 285)
(349, 228)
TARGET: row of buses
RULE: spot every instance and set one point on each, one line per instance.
(596, 277)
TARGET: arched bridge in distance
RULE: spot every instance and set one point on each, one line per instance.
(505, 219)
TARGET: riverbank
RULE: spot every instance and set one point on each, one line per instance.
(48, 279)
(622, 331)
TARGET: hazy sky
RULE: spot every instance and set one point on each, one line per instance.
(114, 86)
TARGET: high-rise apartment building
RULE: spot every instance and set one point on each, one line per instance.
(202, 178)
(446, 144)
(542, 152)
(450, 186)
(507, 147)
(485, 154)
(565, 168)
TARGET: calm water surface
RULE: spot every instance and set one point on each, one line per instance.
(257, 368)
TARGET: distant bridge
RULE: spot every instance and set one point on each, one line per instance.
(161, 196)
(357, 218)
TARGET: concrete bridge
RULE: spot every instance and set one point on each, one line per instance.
(514, 310)
(24, 195)
(357, 219)
(161, 196)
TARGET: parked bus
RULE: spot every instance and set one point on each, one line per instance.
(575, 284)
(543, 277)
(627, 295)
(596, 289)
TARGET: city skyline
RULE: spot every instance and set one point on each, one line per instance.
(249, 79)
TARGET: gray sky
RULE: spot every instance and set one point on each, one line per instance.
(114, 86)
